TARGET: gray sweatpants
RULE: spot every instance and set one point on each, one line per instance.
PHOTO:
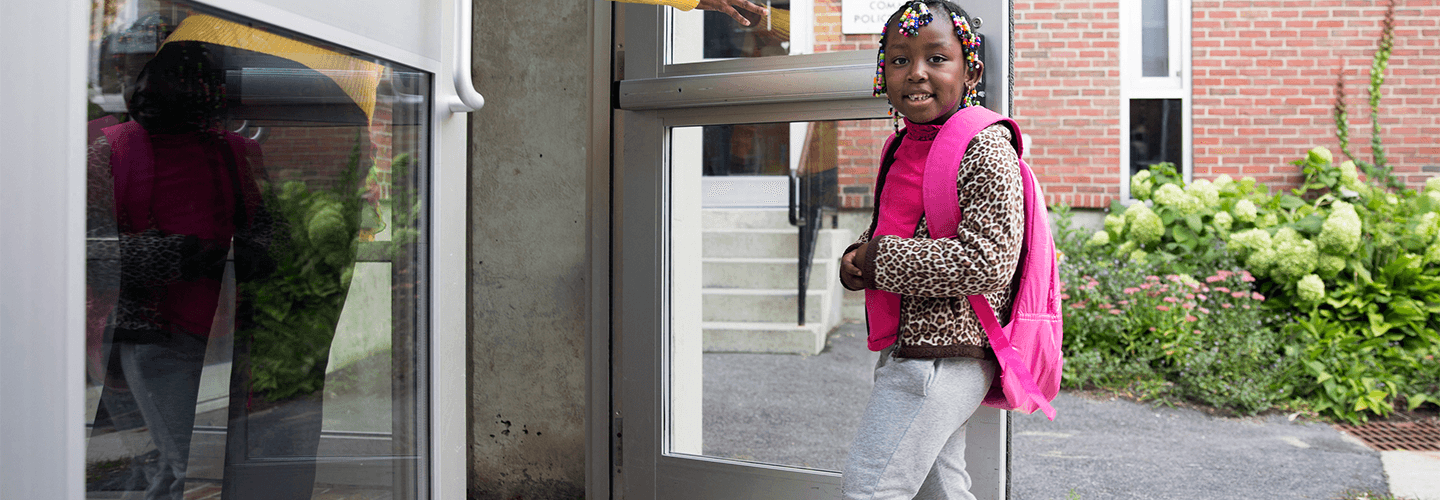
(911, 441)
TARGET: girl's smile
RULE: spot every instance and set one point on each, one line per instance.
(925, 74)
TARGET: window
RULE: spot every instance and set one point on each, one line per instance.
(1155, 86)
(257, 264)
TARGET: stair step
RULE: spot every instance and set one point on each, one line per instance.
(780, 338)
(770, 243)
(745, 218)
(759, 305)
(759, 272)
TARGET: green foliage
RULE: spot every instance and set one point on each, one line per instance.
(296, 308)
(1172, 336)
(1380, 170)
(1354, 268)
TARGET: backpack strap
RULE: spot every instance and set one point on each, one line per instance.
(942, 200)
(1006, 353)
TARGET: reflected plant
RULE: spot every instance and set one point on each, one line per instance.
(295, 310)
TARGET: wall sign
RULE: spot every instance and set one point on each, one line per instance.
(861, 17)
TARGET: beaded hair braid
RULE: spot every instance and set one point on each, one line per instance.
(915, 14)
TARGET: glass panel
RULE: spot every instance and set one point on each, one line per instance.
(753, 149)
(749, 379)
(791, 29)
(1155, 133)
(255, 277)
(1155, 38)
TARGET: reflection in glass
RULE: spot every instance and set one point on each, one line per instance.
(255, 248)
(1155, 133)
(755, 372)
(707, 35)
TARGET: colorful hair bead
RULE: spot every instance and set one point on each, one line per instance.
(916, 16)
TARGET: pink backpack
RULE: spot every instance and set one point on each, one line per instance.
(1028, 349)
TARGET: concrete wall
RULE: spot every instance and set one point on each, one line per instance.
(529, 271)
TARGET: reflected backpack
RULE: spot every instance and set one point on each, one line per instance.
(1028, 348)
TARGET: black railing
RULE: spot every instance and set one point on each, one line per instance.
(813, 191)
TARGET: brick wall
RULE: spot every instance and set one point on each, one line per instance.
(1264, 74)
(1067, 97)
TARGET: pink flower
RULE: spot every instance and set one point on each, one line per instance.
(1222, 289)
(1191, 319)
(1188, 305)
(1124, 302)
(1145, 286)
(1226, 305)
(1224, 273)
(1115, 311)
(1190, 296)
(1064, 296)
(1257, 296)
(1204, 310)
(1203, 297)
(1246, 306)
(1173, 277)
(1131, 290)
(1212, 279)
(1152, 328)
(1152, 278)
(1171, 300)
(1246, 276)
(1238, 295)
(1162, 308)
(1197, 332)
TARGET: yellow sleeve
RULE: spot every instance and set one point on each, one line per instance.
(679, 4)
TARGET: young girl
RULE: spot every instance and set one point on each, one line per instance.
(935, 362)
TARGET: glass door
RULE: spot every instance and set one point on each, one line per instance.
(259, 251)
(732, 381)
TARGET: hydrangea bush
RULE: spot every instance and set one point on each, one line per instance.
(1353, 269)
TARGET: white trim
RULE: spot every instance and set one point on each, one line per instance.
(1133, 86)
(448, 327)
(42, 284)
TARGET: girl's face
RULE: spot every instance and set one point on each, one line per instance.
(925, 74)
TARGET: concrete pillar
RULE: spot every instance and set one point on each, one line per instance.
(529, 271)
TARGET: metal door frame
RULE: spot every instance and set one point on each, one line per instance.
(652, 98)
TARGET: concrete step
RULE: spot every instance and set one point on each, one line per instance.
(748, 305)
(782, 338)
(743, 218)
(771, 243)
(773, 273)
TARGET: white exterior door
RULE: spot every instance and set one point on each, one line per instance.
(325, 355)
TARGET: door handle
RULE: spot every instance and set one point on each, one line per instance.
(466, 99)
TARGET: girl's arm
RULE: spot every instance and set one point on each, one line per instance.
(985, 253)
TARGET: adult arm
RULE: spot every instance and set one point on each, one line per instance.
(985, 252)
(740, 10)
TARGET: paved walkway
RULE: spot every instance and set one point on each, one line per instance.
(801, 410)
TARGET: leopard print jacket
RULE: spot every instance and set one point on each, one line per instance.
(933, 276)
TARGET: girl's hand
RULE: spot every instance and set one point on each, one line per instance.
(742, 10)
(850, 274)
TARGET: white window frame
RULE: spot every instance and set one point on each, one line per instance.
(42, 328)
(1177, 85)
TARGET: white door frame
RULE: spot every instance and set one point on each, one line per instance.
(42, 284)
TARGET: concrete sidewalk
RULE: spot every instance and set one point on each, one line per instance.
(802, 410)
